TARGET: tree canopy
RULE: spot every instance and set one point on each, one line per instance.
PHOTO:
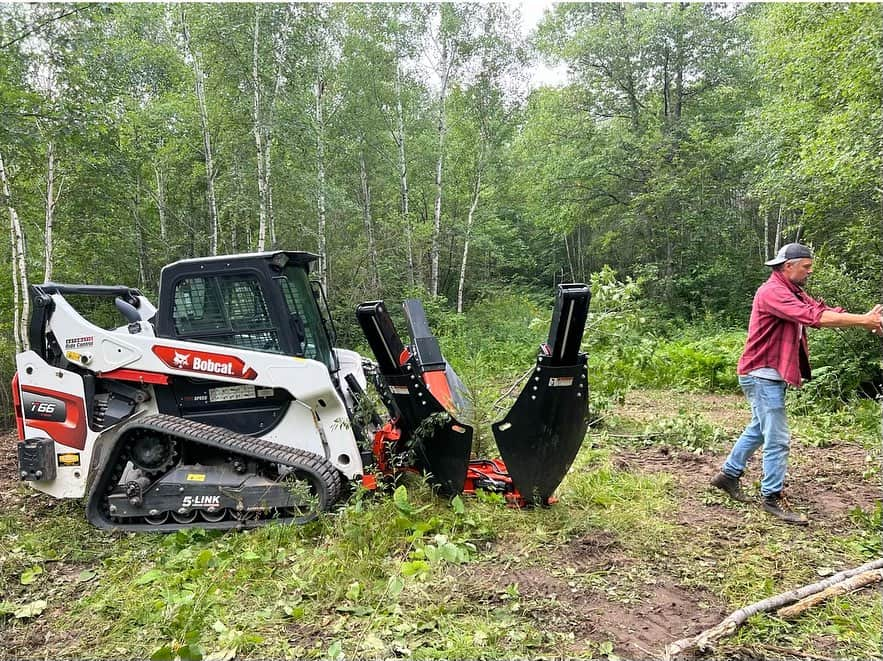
(402, 143)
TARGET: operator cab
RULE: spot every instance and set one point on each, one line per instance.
(259, 301)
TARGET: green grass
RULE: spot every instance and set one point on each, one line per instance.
(408, 574)
(374, 578)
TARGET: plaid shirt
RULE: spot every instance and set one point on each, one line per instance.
(776, 331)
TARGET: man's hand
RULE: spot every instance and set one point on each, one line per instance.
(874, 321)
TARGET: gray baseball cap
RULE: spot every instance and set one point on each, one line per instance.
(790, 251)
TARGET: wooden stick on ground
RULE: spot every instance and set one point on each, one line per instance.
(850, 584)
(736, 618)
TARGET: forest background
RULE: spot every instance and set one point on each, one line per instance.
(405, 145)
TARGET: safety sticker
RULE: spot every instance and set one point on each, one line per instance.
(69, 459)
(196, 477)
(561, 382)
(230, 393)
(79, 342)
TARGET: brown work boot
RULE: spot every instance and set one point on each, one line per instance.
(730, 486)
(777, 505)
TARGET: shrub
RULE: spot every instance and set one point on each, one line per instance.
(619, 337)
(687, 430)
(842, 359)
(700, 359)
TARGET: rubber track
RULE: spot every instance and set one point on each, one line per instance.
(223, 440)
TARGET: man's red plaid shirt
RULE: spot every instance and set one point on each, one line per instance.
(776, 331)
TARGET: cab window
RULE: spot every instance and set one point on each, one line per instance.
(229, 310)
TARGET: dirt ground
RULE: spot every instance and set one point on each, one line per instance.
(827, 483)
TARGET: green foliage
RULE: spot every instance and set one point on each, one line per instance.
(688, 141)
(686, 430)
(842, 359)
(871, 521)
(816, 133)
(820, 423)
(619, 337)
(409, 571)
(700, 358)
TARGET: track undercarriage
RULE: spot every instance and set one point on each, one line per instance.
(164, 473)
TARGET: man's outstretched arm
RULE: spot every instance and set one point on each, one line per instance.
(870, 320)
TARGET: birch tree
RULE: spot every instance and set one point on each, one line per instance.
(473, 204)
(281, 38)
(46, 59)
(463, 42)
(448, 47)
(52, 195)
(405, 22)
(374, 273)
(21, 301)
(324, 51)
(193, 56)
(259, 131)
(319, 128)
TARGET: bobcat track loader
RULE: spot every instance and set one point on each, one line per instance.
(229, 406)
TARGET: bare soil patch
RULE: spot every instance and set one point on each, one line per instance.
(660, 611)
(10, 495)
(825, 483)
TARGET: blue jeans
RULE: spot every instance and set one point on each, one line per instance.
(769, 428)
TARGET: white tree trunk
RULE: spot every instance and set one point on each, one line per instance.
(369, 225)
(778, 231)
(280, 53)
(436, 225)
(20, 300)
(442, 130)
(403, 170)
(50, 211)
(259, 134)
(206, 139)
(319, 90)
(139, 235)
(271, 217)
(160, 201)
(476, 193)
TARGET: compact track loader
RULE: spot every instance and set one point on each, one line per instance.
(229, 406)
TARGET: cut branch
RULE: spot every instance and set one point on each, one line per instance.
(735, 619)
(849, 585)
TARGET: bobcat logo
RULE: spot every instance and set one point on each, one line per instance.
(181, 359)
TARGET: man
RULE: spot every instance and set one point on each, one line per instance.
(776, 356)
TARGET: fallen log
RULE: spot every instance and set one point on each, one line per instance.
(735, 619)
(850, 584)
